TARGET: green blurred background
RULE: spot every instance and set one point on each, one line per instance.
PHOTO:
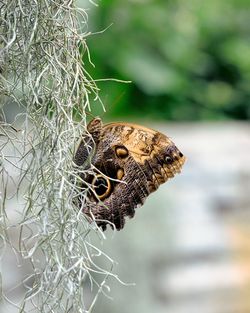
(188, 248)
(187, 60)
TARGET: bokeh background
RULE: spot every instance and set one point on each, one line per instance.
(187, 60)
(188, 249)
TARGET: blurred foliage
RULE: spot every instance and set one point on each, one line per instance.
(187, 59)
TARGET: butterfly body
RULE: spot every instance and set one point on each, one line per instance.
(130, 162)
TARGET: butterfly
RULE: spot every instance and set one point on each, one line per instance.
(122, 164)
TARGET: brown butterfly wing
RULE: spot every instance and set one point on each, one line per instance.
(136, 159)
(126, 195)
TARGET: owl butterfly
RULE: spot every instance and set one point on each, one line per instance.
(130, 161)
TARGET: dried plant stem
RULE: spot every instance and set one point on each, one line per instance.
(41, 71)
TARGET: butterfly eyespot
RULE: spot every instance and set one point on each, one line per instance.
(120, 173)
(101, 186)
(168, 159)
(121, 152)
